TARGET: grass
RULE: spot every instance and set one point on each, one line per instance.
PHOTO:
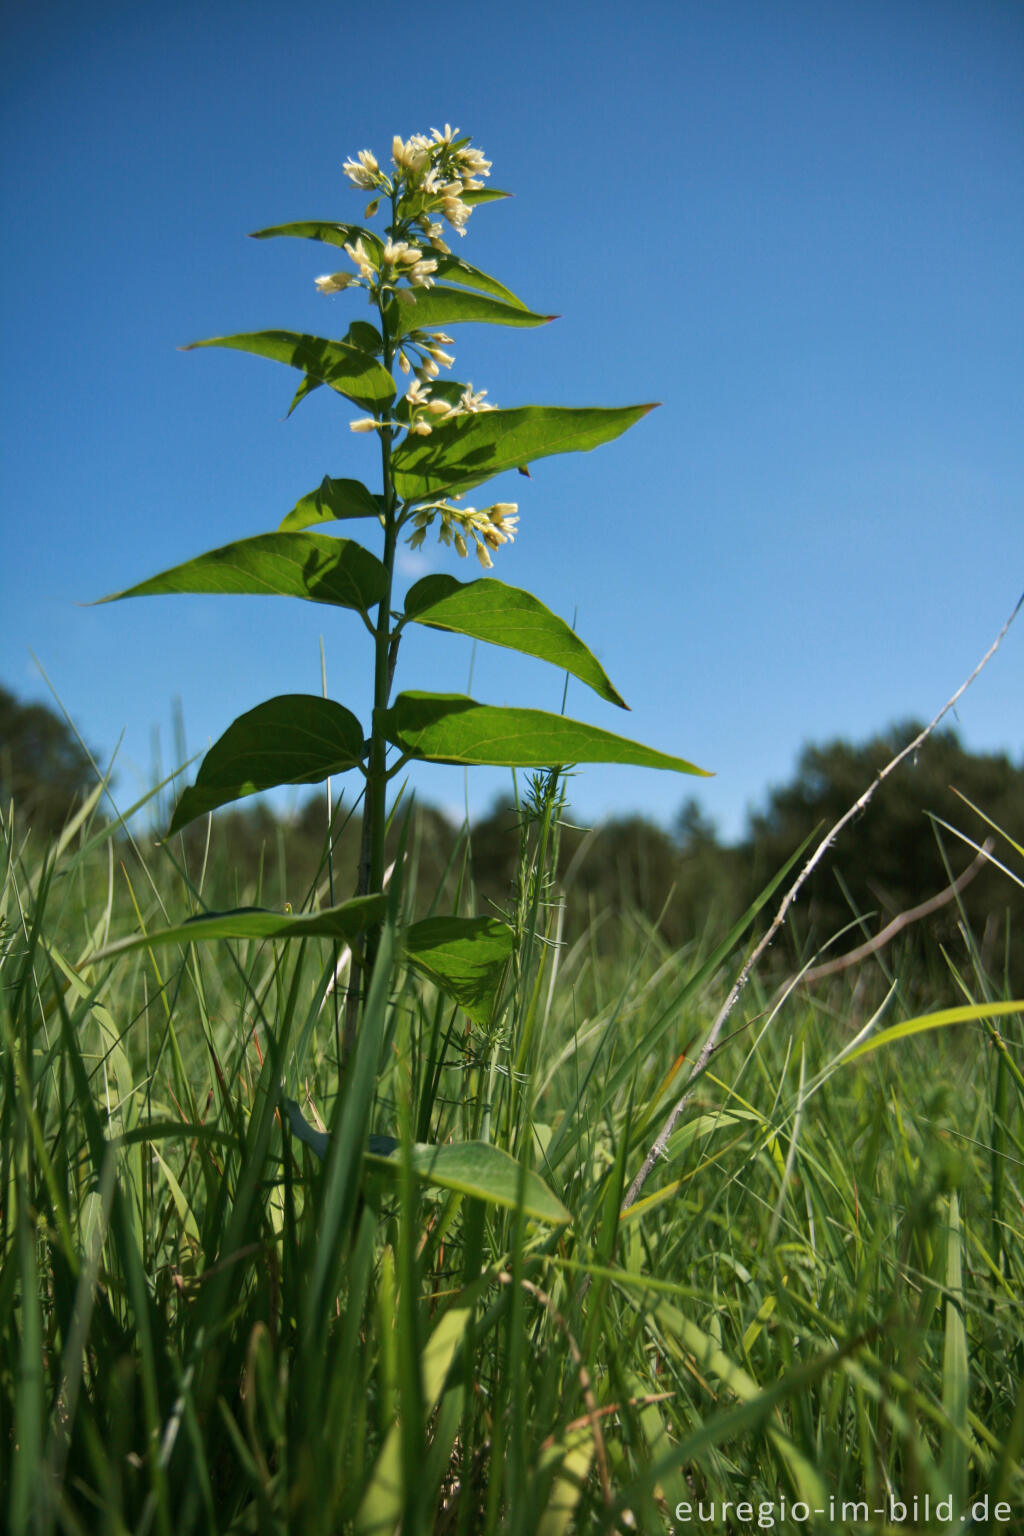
(204, 1327)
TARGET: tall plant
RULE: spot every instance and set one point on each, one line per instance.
(439, 440)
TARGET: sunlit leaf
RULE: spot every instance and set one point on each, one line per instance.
(481, 1170)
(332, 501)
(450, 728)
(343, 922)
(308, 565)
(348, 370)
(324, 230)
(474, 1168)
(418, 309)
(507, 616)
(465, 957)
(296, 738)
(452, 269)
(472, 448)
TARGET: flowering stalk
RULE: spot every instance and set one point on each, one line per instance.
(439, 440)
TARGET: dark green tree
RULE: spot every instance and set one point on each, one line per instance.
(44, 770)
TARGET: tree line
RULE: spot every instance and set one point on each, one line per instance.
(683, 882)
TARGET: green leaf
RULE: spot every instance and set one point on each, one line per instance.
(450, 728)
(365, 337)
(965, 1013)
(452, 269)
(306, 388)
(296, 738)
(483, 1171)
(508, 616)
(307, 565)
(483, 195)
(465, 957)
(343, 922)
(324, 230)
(419, 309)
(332, 501)
(472, 448)
(474, 1168)
(348, 370)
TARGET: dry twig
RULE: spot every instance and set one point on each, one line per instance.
(658, 1149)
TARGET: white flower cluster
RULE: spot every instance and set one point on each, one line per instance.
(423, 406)
(490, 527)
(398, 259)
(440, 169)
(425, 411)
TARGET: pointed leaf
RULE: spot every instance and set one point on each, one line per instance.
(296, 738)
(452, 269)
(474, 1168)
(508, 616)
(324, 230)
(450, 728)
(343, 922)
(483, 195)
(308, 565)
(349, 370)
(332, 501)
(305, 389)
(469, 449)
(418, 309)
(483, 1171)
(465, 957)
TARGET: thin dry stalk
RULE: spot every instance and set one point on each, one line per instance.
(658, 1148)
(903, 920)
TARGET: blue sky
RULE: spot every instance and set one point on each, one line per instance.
(798, 226)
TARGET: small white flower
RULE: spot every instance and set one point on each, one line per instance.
(416, 394)
(460, 544)
(365, 173)
(335, 282)
(420, 428)
(413, 155)
(365, 424)
(359, 255)
(484, 557)
(419, 275)
(474, 401)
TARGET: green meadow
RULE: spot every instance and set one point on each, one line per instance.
(226, 1308)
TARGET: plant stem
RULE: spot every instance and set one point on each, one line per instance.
(371, 859)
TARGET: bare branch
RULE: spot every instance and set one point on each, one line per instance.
(903, 920)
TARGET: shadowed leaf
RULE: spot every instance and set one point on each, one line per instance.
(465, 957)
(418, 309)
(342, 922)
(348, 370)
(332, 501)
(474, 447)
(307, 565)
(295, 738)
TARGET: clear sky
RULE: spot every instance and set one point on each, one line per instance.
(797, 225)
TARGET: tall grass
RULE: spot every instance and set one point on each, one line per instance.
(207, 1328)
